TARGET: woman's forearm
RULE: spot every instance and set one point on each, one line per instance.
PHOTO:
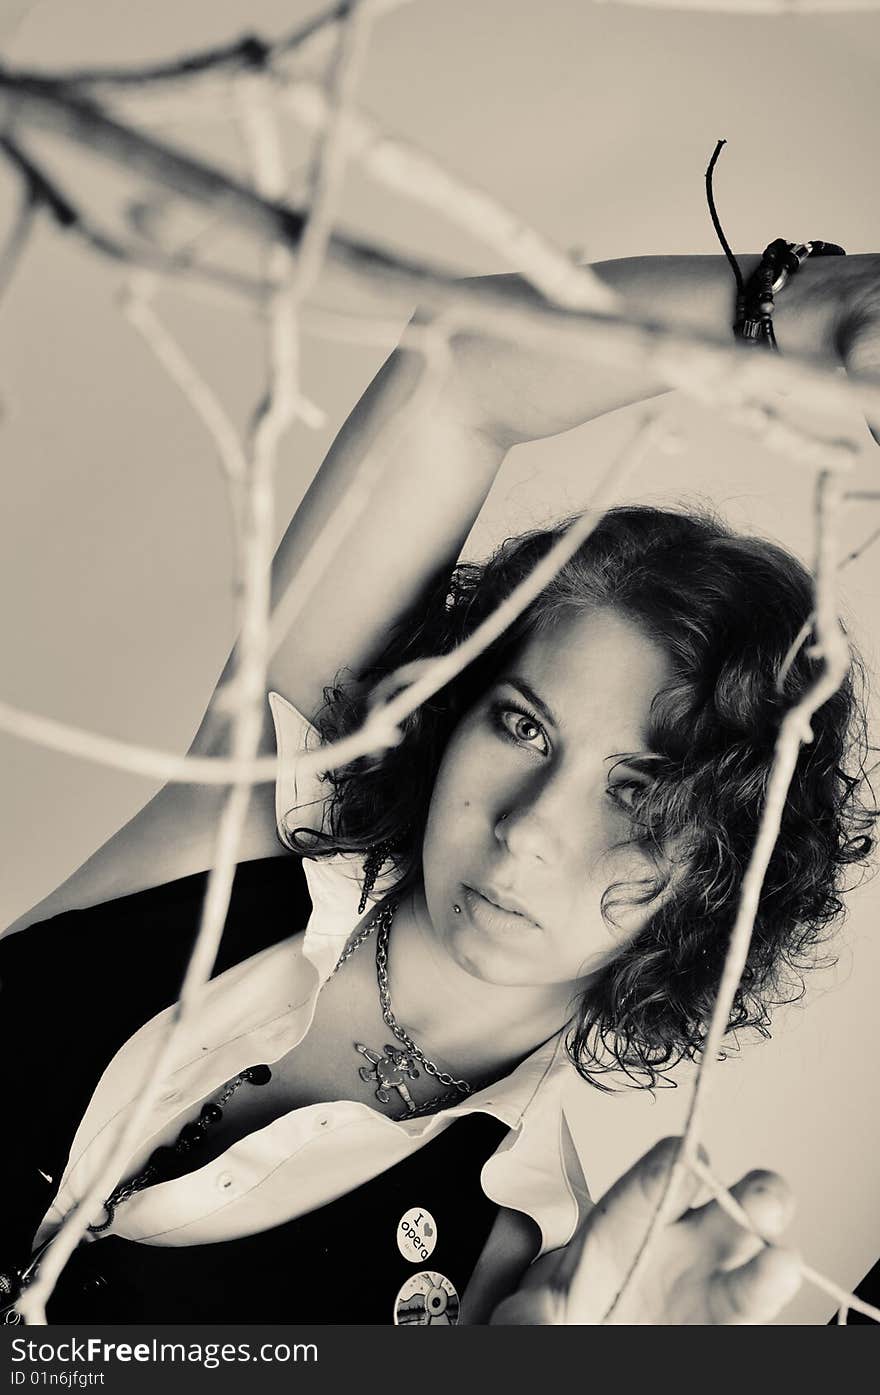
(515, 394)
(698, 292)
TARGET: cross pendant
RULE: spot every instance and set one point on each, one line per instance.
(388, 1071)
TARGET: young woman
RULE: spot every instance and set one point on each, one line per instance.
(366, 1120)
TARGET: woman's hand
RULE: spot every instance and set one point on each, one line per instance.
(834, 303)
(831, 310)
(702, 1269)
(858, 329)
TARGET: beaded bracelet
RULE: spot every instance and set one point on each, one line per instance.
(755, 298)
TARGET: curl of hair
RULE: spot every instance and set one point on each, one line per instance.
(727, 610)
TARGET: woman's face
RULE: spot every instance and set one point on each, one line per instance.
(527, 816)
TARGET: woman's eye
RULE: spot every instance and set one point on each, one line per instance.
(626, 793)
(521, 728)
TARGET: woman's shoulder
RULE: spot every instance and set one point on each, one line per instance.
(136, 946)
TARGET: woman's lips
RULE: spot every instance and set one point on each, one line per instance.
(495, 919)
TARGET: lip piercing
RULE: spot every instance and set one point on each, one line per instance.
(456, 908)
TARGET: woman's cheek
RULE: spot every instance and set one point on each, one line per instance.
(468, 774)
(454, 808)
(633, 874)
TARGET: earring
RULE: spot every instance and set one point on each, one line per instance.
(374, 861)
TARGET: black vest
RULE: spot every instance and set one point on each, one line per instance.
(73, 989)
(340, 1263)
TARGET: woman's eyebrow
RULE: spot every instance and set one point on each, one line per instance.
(632, 760)
(528, 692)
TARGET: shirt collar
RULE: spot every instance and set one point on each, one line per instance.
(529, 1171)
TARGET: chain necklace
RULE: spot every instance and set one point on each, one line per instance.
(389, 1070)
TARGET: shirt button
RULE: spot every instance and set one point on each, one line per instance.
(224, 1181)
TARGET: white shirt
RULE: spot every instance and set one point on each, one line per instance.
(258, 1011)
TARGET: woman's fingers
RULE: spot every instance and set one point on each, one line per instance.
(599, 1256)
(626, 1208)
(638, 1192)
(757, 1291)
(767, 1201)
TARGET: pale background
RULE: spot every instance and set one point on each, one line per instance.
(597, 123)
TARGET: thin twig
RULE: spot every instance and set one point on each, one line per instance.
(309, 44)
(129, 756)
(327, 173)
(415, 174)
(254, 545)
(138, 309)
(862, 548)
(806, 628)
(795, 729)
(48, 193)
(326, 185)
(17, 239)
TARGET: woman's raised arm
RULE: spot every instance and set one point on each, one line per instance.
(437, 472)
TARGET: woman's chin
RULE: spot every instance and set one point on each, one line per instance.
(501, 965)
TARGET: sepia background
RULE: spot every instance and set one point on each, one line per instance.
(596, 122)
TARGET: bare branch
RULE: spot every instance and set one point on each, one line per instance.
(862, 548)
(415, 174)
(48, 193)
(254, 541)
(794, 730)
(704, 368)
(331, 155)
(138, 310)
(309, 44)
(127, 756)
(17, 239)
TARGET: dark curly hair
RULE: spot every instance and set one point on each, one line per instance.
(727, 609)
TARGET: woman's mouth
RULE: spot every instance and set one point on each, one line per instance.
(495, 919)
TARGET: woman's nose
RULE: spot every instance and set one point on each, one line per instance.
(529, 831)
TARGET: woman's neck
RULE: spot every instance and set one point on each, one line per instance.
(475, 1029)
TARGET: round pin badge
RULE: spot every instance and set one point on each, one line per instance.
(427, 1299)
(417, 1235)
